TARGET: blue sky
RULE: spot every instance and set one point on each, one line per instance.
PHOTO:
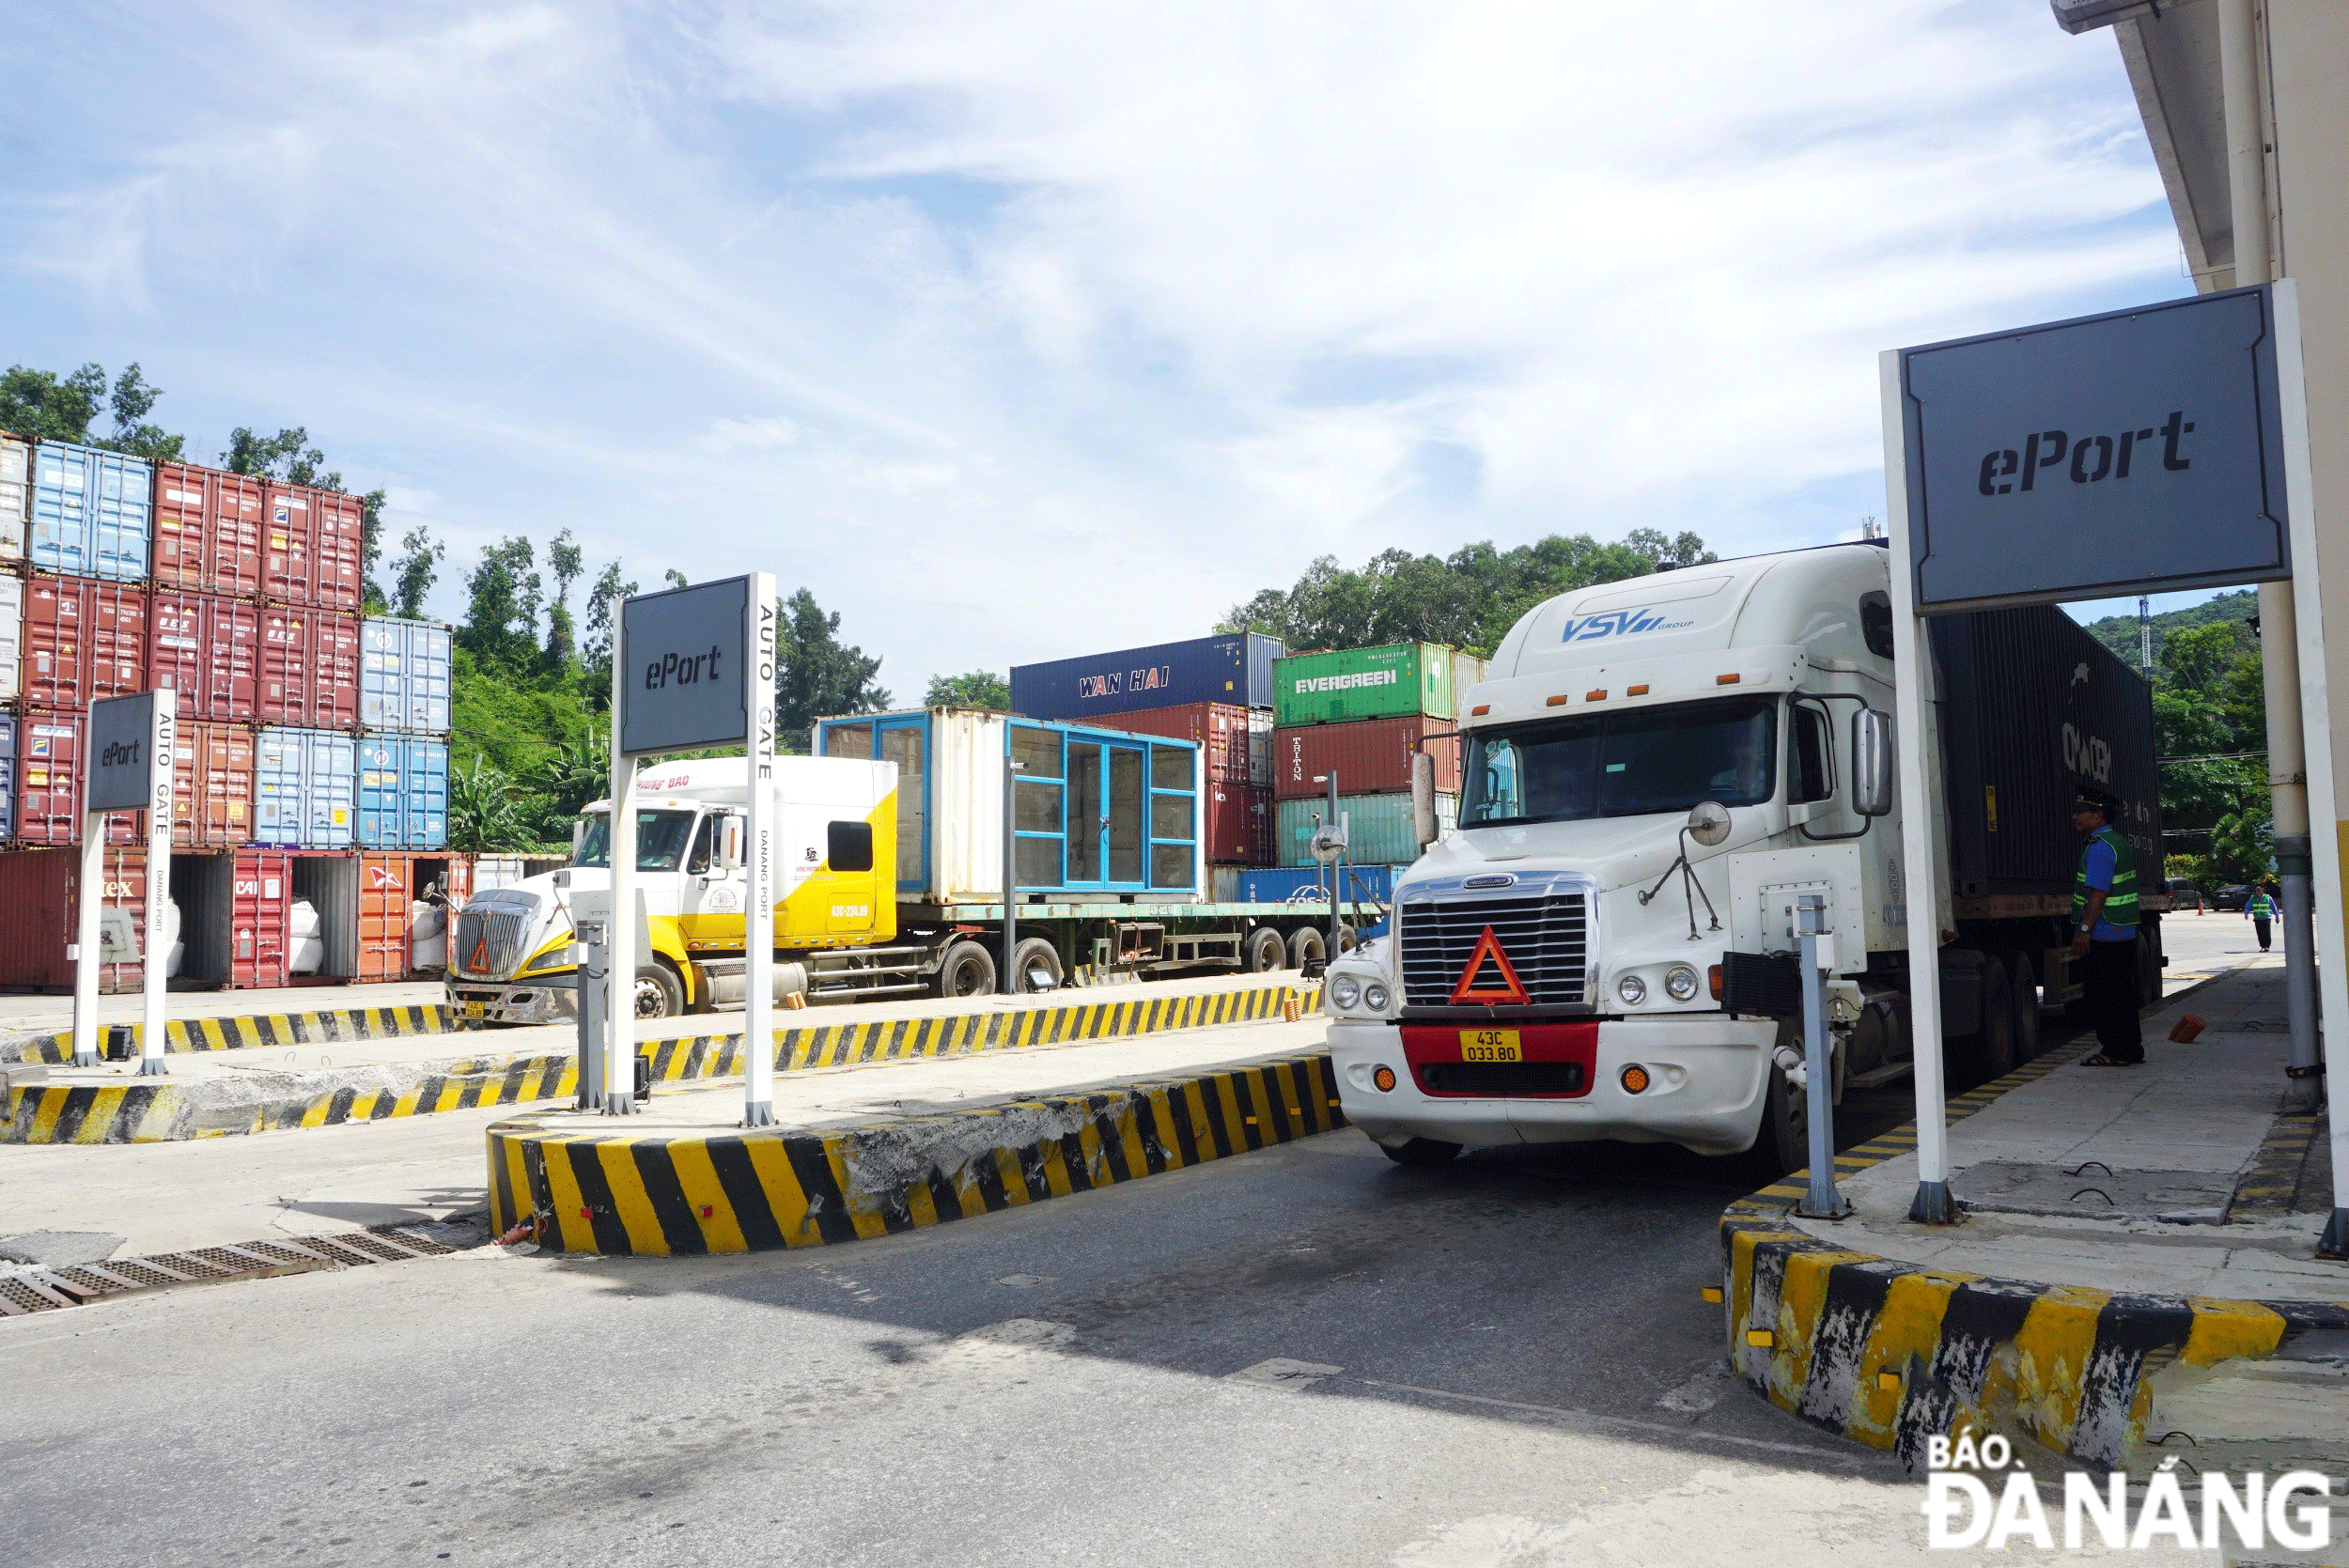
(1034, 328)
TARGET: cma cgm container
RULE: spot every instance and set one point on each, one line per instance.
(404, 675)
(49, 783)
(39, 889)
(91, 512)
(207, 648)
(305, 788)
(1373, 757)
(1100, 812)
(1237, 742)
(1236, 669)
(403, 792)
(1394, 681)
(313, 542)
(267, 917)
(1379, 828)
(207, 529)
(16, 488)
(80, 640)
(212, 792)
(309, 667)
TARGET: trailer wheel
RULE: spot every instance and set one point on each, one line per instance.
(1422, 1152)
(1306, 946)
(967, 970)
(659, 992)
(2148, 970)
(1988, 1052)
(1035, 966)
(2026, 1043)
(1264, 951)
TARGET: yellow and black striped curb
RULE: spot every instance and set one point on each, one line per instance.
(2266, 1190)
(740, 1191)
(1891, 1354)
(148, 1110)
(47, 1289)
(252, 1030)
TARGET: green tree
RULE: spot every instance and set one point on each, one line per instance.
(49, 406)
(565, 562)
(565, 780)
(979, 689)
(484, 813)
(604, 601)
(501, 623)
(817, 676)
(415, 572)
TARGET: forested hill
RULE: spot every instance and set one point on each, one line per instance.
(2119, 633)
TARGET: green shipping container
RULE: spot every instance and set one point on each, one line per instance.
(1397, 681)
(1378, 828)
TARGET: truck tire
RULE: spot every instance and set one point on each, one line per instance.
(967, 970)
(1263, 951)
(1035, 966)
(1782, 1143)
(1422, 1152)
(2148, 970)
(1988, 1052)
(659, 994)
(2026, 1043)
(1347, 938)
(1306, 946)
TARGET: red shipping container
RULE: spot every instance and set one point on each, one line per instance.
(212, 790)
(1239, 825)
(207, 529)
(1370, 757)
(49, 784)
(309, 673)
(1237, 741)
(82, 639)
(389, 885)
(207, 648)
(39, 889)
(314, 546)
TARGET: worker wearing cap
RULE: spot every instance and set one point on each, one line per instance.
(2103, 923)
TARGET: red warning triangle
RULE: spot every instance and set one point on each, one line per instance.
(1488, 946)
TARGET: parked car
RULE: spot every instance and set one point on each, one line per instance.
(2231, 897)
(2185, 895)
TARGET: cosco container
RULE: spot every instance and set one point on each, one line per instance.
(1308, 885)
(1378, 826)
(16, 489)
(1239, 824)
(1237, 742)
(404, 674)
(305, 785)
(1101, 813)
(1345, 684)
(1236, 669)
(403, 792)
(207, 529)
(91, 512)
(213, 791)
(1373, 757)
(50, 782)
(206, 648)
(313, 544)
(39, 889)
(309, 667)
(80, 640)
(2034, 711)
(266, 917)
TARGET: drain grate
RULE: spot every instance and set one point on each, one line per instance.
(25, 1293)
(42, 1289)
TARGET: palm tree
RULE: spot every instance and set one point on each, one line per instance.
(483, 813)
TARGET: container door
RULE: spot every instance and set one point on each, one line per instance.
(16, 478)
(382, 699)
(122, 507)
(906, 743)
(428, 660)
(331, 787)
(7, 775)
(379, 791)
(233, 675)
(1109, 801)
(423, 794)
(258, 931)
(277, 786)
(1085, 820)
(385, 889)
(60, 529)
(11, 635)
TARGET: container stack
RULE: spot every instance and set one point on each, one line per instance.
(1361, 714)
(1213, 692)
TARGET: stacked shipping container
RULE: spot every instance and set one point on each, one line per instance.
(1360, 715)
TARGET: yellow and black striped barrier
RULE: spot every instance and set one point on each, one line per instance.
(250, 1031)
(586, 1189)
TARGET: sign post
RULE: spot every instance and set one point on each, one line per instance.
(128, 763)
(758, 908)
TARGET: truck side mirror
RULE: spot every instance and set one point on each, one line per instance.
(1423, 798)
(1872, 762)
(579, 835)
(728, 850)
(1708, 822)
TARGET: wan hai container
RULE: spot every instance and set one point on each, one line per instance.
(1399, 680)
(1236, 669)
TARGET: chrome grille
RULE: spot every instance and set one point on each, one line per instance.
(497, 934)
(1546, 938)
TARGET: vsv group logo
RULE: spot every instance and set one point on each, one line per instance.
(1617, 623)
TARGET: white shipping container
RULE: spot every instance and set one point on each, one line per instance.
(16, 490)
(11, 637)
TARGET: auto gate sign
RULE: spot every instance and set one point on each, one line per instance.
(2135, 452)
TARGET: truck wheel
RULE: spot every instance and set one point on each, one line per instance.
(2148, 971)
(1035, 966)
(1782, 1144)
(659, 992)
(2026, 1010)
(1263, 951)
(1988, 1052)
(1348, 939)
(967, 970)
(1422, 1152)
(1306, 946)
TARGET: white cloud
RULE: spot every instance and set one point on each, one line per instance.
(752, 435)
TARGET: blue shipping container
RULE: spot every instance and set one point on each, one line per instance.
(7, 775)
(93, 512)
(1378, 826)
(403, 792)
(1236, 669)
(305, 785)
(1307, 889)
(404, 672)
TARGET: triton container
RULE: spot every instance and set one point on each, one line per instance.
(206, 648)
(313, 542)
(80, 640)
(1394, 681)
(1235, 669)
(1378, 826)
(404, 675)
(91, 512)
(1372, 757)
(208, 530)
(305, 785)
(1237, 742)
(403, 792)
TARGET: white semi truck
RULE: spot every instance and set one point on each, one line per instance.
(1655, 772)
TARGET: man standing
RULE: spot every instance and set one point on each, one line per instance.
(2260, 910)
(2103, 923)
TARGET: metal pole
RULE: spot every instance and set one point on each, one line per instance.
(591, 975)
(1011, 868)
(92, 894)
(620, 1076)
(1921, 876)
(758, 936)
(1822, 1201)
(1333, 866)
(160, 782)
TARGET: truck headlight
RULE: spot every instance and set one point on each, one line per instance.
(1374, 997)
(564, 958)
(1632, 989)
(1680, 983)
(1345, 991)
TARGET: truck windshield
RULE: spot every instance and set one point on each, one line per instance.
(1636, 764)
(660, 838)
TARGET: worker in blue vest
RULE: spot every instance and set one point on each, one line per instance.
(2104, 940)
(2260, 910)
